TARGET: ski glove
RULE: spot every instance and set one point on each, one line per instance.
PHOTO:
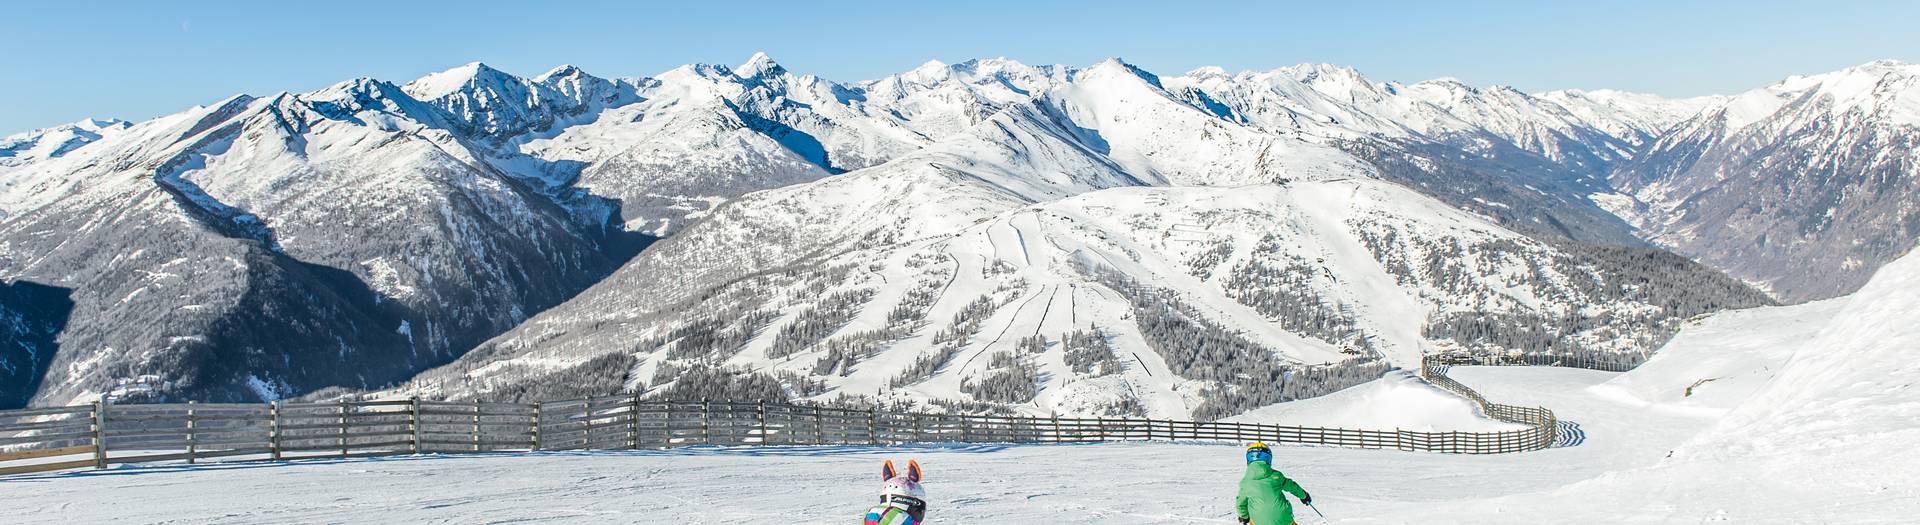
(1243, 520)
(1308, 500)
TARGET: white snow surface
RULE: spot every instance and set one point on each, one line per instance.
(1398, 401)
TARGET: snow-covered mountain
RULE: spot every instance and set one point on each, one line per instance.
(1528, 161)
(1101, 247)
(261, 247)
(1307, 222)
(1636, 118)
(1806, 186)
(22, 148)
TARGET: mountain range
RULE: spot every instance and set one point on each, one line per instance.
(986, 235)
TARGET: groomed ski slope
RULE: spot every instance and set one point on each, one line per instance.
(1807, 418)
(1099, 483)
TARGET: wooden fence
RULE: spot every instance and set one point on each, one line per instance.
(1542, 427)
(1606, 362)
(97, 436)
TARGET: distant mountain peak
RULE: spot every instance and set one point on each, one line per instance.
(932, 71)
(561, 71)
(1884, 63)
(1116, 65)
(440, 84)
(1205, 72)
(759, 65)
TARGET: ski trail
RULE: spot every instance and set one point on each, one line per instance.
(1003, 332)
(1072, 310)
(991, 241)
(1020, 239)
(1042, 325)
(945, 250)
(1388, 308)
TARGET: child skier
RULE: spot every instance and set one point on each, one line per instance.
(1260, 501)
(902, 502)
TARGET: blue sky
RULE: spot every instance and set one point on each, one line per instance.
(69, 59)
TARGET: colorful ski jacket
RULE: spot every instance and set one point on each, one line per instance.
(1260, 501)
(889, 515)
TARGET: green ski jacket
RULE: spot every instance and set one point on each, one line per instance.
(1260, 501)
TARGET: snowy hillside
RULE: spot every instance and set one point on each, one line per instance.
(1838, 413)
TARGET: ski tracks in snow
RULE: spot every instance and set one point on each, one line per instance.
(1003, 329)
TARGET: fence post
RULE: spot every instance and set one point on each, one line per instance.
(273, 430)
(344, 407)
(191, 448)
(873, 423)
(633, 416)
(587, 405)
(413, 420)
(918, 435)
(1056, 428)
(819, 428)
(100, 433)
(706, 414)
(476, 425)
(536, 425)
(966, 428)
(762, 412)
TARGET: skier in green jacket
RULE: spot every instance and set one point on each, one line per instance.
(1260, 501)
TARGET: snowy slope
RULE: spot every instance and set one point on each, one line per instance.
(1838, 415)
(1398, 401)
(1809, 419)
(1841, 411)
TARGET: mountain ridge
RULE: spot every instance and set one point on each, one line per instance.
(745, 172)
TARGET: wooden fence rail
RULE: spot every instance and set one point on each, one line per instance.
(95, 435)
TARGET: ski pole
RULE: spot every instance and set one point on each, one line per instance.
(1316, 510)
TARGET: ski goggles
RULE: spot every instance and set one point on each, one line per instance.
(1260, 454)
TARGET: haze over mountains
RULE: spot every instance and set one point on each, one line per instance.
(987, 235)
